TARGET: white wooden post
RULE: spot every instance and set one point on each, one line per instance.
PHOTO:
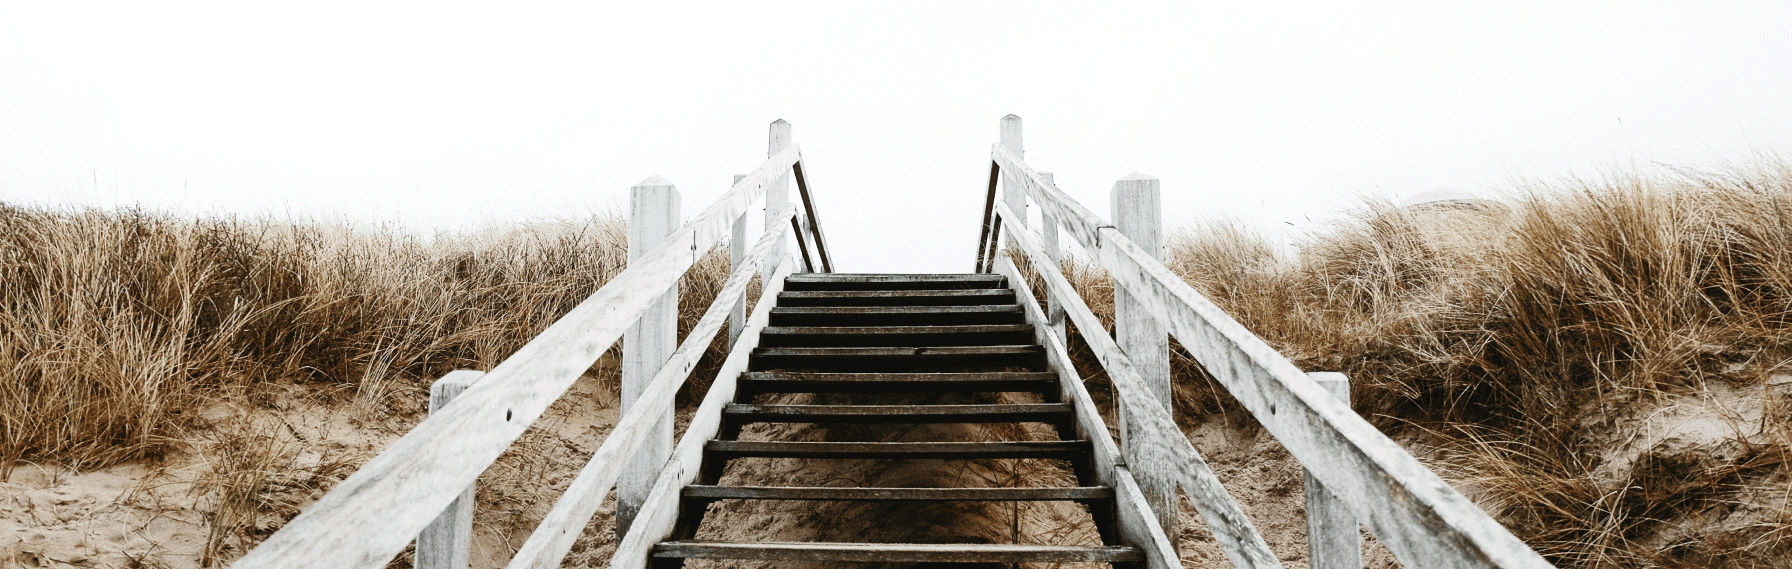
(653, 212)
(1333, 540)
(1138, 216)
(1048, 232)
(778, 193)
(1014, 191)
(737, 251)
(447, 542)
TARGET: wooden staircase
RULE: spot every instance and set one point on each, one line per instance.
(879, 336)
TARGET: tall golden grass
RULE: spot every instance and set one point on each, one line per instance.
(115, 326)
(1518, 334)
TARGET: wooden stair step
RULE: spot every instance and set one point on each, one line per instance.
(875, 336)
(896, 315)
(898, 552)
(1030, 412)
(754, 383)
(898, 494)
(880, 281)
(955, 450)
(898, 359)
(971, 296)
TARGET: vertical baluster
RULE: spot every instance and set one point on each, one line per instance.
(1048, 233)
(1333, 541)
(447, 542)
(737, 252)
(778, 193)
(1138, 216)
(653, 212)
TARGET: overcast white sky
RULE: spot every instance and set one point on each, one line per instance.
(446, 116)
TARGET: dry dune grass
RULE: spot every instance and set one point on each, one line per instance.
(1531, 340)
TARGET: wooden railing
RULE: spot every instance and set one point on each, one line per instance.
(1354, 472)
(368, 519)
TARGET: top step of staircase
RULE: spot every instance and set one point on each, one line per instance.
(885, 281)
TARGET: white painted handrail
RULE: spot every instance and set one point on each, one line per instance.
(368, 519)
(1419, 517)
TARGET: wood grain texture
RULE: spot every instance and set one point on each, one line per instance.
(898, 494)
(1137, 522)
(899, 552)
(369, 518)
(1135, 204)
(1424, 521)
(1014, 190)
(661, 515)
(654, 209)
(1048, 234)
(1334, 540)
(447, 542)
(560, 528)
(1160, 447)
(737, 253)
(777, 192)
(820, 237)
(1080, 223)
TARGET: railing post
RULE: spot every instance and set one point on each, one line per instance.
(1138, 216)
(1013, 190)
(653, 213)
(778, 193)
(737, 252)
(447, 542)
(1333, 540)
(1048, 232)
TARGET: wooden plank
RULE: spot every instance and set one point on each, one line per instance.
(654, 211)
(1334, 540)
(896, 297)
(1137, 213)
(895, 315)
(1014, 190)
(796, 228)
(661, 516)
(986, 281)
(1162, 448)
(1026, 412)
(447, 542)
(813, 222)
(369, 518)
(898, 552)
(554, 536)
(1048, 233)
(904, 450)
(877, 310)
(989, 214)
(886, 352)
(777, 190)
(1424, 521)
(804, 382)
(737, 254)
(1137, 523)
(1076, 220)
(899, 494)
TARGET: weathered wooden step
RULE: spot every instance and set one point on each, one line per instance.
(898, 552)
(879, 281)
(755, 383)
(972, 450)
(1028, 412)
(876, 336)
(964, 297)
(896, 315)
(898, 494)
(898, 359)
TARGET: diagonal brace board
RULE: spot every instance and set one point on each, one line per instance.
(555, 535)
(370, 517)
(1241, 542)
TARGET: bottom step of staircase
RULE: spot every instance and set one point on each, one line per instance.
(899, 552)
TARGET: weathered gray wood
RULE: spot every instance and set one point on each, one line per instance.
(1014, 190)
(367, 519)
(1014, 413)
(899, 494)
(972, 450)
(661, 514)
(560, 528)
(1137, 523)
(737, 252)
(1137, 214)
(989, 215)
(654, 209)
(1333, 538)
(802, 382)
(1424, 521)
(898, 281)
(1159, 446)
(1048, 234)
(1075, 219)
(811, 220)
(447, 542)
(899, 552)
(777, 193)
